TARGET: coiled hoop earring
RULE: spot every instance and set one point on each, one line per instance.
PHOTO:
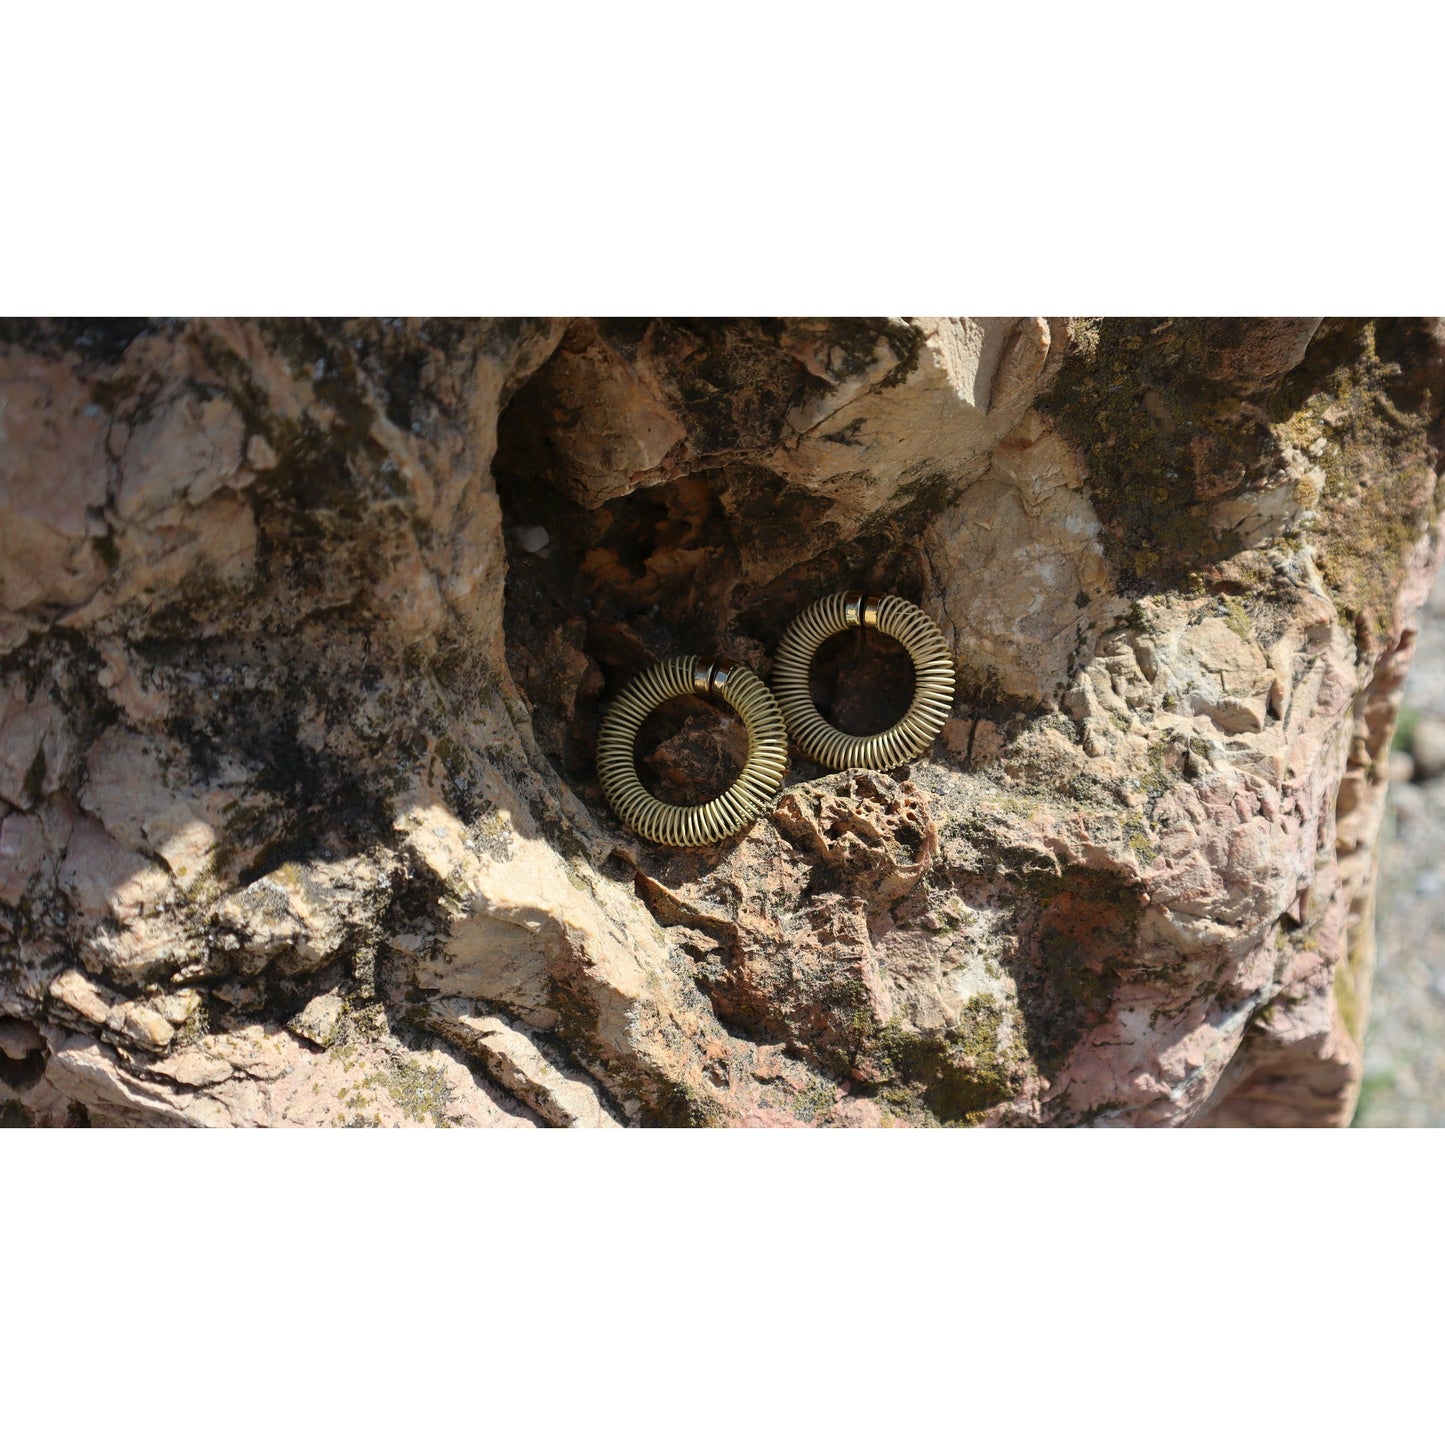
(734, 809)
(933, 681)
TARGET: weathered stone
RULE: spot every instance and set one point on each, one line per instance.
(34, 746)
(54, 479)
(306, 631)
(142, 1025)
(266, 1081)
(18, 1040)
(515, 1062)
(22, 851)
(76, 992)
(319, 1020)
(194, 1068)
(176, 1008)
(93, 1076)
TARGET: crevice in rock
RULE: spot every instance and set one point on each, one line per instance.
(720, 560)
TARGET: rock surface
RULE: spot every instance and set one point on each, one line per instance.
(306, 631)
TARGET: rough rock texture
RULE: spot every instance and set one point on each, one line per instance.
(306, 631)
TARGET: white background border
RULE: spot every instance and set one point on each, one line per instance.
(783, 158)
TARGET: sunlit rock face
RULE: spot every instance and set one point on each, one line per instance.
(306, 631)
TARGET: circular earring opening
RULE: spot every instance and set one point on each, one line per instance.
(689, 750)
(861, 681)
(933, 682)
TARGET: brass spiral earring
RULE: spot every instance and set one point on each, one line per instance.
(733, 810)
(933, 681)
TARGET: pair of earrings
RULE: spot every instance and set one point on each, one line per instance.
(771, 717)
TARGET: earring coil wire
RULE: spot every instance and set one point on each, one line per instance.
(933, 681)
(734, 809)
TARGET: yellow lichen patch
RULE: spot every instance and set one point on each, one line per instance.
(420, 1091)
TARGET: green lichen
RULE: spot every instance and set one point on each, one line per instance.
(291, 875)
(1236, 618)
(1351, 984)
(1156, 780)
(1379, 495)
(955, 1076)
(816, 1099)
(1137, 404)
(451, 755)
(1077, 941)
(1136, 836)
(196, 1026)
(420, 1091)
(669, 1104)
(1161, 433)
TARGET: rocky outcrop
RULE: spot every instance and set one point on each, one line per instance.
(306, 631)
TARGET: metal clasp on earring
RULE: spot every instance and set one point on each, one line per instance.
(710, 675)
(860, 610)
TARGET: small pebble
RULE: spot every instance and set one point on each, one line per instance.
(530, 538)
(260, 454)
